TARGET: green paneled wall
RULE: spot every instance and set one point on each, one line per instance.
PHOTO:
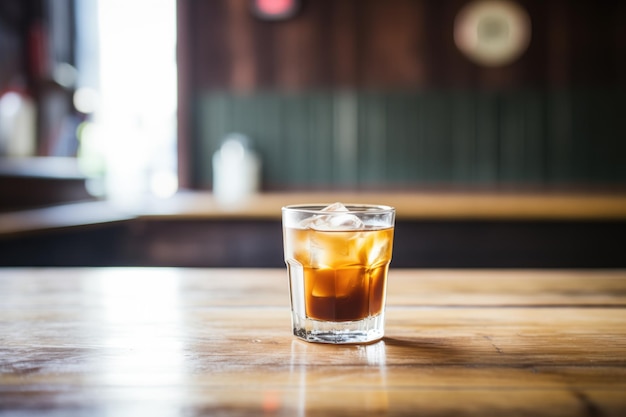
(377, 139)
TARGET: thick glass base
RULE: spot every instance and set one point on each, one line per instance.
(367, 330)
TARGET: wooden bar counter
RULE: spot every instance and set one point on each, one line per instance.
(185, 341)
(434, 229)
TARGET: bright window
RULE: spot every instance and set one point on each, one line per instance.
(134, 126)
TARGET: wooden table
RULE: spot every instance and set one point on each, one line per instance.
(168, 341)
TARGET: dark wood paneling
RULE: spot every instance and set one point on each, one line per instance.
(38, 182)
(21, 192)
(392, 44)
(102, 245)
(258, 243)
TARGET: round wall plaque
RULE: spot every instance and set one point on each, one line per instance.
(492, 32)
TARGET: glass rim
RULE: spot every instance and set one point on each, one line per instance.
(353, 208)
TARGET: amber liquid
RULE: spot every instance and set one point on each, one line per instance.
(345, 272)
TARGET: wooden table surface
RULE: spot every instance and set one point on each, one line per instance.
(167, 341)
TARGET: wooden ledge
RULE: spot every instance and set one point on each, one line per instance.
(267, 206)
(409, 206)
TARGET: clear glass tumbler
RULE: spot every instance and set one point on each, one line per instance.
(338, 257)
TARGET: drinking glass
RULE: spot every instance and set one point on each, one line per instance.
(337, 259)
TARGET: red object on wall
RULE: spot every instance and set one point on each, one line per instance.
(275, 9)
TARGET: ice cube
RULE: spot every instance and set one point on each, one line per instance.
(374, 251)
(335, 207)
(334, 221)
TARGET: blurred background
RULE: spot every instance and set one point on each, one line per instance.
(122, 100)
(90, 87)
(379, 94)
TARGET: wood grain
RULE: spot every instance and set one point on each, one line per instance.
(176, 341)
(392, 44)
